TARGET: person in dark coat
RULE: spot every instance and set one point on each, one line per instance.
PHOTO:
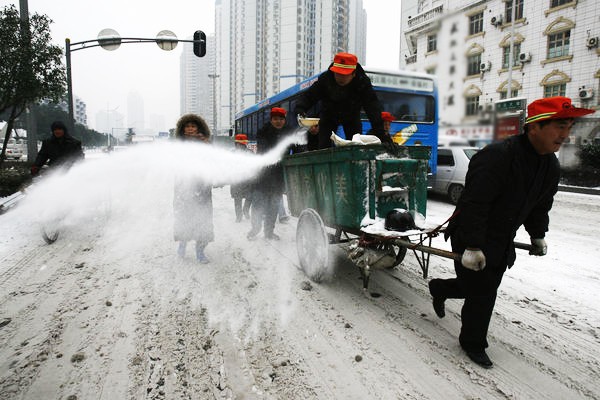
(343, 90)
(508, 184)
(240, 192)
(59, 150)
(192, 200)
(387, 118)
(269, 185)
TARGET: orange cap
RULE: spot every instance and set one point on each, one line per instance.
(241, 138)
(554, 108)
(386, 116)
(344, 63)
(278, 111)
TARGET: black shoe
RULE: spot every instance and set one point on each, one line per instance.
(438, 302)
(272, 236)
(480, 358)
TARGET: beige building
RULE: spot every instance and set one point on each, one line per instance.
(467, 44)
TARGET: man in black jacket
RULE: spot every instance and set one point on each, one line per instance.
(60, 149)
(508, 184)
(343, 90)
(269, 185)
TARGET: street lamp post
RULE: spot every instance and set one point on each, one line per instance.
(110, 40)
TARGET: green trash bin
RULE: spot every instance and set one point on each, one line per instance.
(346, 184)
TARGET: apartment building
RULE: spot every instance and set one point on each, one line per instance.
(477, 54)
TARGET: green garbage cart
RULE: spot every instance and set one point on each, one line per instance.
(341, 188)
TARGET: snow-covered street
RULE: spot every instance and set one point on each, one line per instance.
(109, 311)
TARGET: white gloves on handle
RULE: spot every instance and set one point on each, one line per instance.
(540, 248)
(473, 259)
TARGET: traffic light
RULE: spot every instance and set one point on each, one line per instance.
(199, 43)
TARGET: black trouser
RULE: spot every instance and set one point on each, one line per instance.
(479, 289)
(237, 204)
(265, 205)
(326, 126)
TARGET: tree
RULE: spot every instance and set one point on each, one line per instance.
(31, 67)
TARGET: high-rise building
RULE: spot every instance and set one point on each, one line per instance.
(468, 44)
(135, 112)
(196, 84)
(266, 46)
(110, 121)
(80, 111)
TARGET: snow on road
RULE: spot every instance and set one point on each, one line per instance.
(109, 312)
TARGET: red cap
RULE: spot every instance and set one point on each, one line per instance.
(554, 108)
(241, 138)
(344, 63)
(278, 111)
(386, 116)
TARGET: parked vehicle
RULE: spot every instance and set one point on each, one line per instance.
(14, 150)
(452, 162)
(446, 141)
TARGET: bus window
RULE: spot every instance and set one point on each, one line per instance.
(254, 123)
(407, 107)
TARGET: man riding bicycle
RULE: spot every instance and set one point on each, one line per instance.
(60, 149)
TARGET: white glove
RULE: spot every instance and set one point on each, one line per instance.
(473, 259)
(539, 247)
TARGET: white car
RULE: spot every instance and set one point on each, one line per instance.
(452, 165)
(13, 150)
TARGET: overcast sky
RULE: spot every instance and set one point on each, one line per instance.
(103, 78)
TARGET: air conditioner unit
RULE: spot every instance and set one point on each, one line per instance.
(524, 57)
(489, 107)
(586, 93)
(497, 20)
(480, 108)
(485, 66)
(591, 42)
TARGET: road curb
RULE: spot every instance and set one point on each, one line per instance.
(579, 189)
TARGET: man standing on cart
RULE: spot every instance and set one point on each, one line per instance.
(343, 90)
(508, 184)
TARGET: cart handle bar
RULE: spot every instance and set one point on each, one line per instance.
(445, 253)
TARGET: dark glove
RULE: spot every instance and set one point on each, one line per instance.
(539, 247)
(392, 147)
(34, 170)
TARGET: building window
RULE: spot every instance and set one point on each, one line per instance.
(473, 64)
(472, 105)
(451, 100)
(506, 54)
(476, 23)
(518, 10)
(555, 90)
(430, 71)
(558, 44)
(431, 43)
(513, 93)
(556, 3)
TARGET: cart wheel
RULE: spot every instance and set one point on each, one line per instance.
(400, 254)
(312, 243)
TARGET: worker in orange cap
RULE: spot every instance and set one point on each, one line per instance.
(268, 186)
(343, 90)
